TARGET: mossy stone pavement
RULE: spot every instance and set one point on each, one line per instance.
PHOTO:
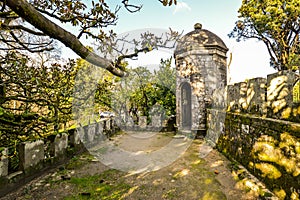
(209, 176)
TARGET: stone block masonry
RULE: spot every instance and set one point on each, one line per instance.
(269, 148)
(4, 163)
(280, 101)
(261, 130)
(143, 121)
(31, 154)
(60, 144)
(275, 97)
(36, 156)
(201, 74)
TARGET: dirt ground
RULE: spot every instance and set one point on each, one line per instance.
(199, 173)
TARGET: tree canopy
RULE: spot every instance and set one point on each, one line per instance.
(277, 24)
(36, 97)
(38, 88)
(143, 90)
(23, 19)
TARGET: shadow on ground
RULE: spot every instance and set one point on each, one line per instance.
(190, 177)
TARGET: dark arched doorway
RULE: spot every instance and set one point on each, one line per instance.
(186, 106)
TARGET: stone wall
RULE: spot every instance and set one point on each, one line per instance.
(158, 122)
(261, 130)
(200, 59)
(205, 73)
(275, 97)
(37, 156)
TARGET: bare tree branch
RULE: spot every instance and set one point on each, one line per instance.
(20, 27)
(130, 7)
(31, 15)
(39, 49)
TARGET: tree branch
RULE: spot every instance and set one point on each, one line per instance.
(20, 27)
(32, 16)
(130, 7)
(39, 49)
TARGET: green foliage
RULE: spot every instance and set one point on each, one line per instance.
(144, 91)
(165, 79)
(93, 91)
(36, 90)
(276, 23)
(107, 185)
(37, 99)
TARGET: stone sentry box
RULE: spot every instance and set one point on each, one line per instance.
(200, 58)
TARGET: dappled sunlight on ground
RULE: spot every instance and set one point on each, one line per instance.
(217, 163)
(189, 177)
(182, 173)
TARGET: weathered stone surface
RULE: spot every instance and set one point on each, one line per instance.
(30, 154)
(119, 121)
(256, 96)
(142, 121)
(81, 132)
(280, 103)
(232, 97)
(60, 144)
(32, 157)
(215, 125)
(274, 97)
(156, 121)
(75, 138)
(268, 148)
(201, 72)
(91, 132)
(4, 163)
(243, 104)
(129, 122)
(101, 136)
(100, 128)
(219, 98)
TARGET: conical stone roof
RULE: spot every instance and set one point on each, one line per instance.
(198, 39)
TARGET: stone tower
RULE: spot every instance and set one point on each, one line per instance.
(200, 59)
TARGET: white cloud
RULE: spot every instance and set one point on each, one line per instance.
(181, 6)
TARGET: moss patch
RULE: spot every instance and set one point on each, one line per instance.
(107, 185)
(79, 161)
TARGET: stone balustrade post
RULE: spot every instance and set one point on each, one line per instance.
(31, 154)
(4, 162)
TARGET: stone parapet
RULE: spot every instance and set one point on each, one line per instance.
(36, 156)
(269, 148)
(276, 97)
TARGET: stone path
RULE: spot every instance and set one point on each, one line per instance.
(200, 172)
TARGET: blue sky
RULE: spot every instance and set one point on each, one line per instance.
(249, 58)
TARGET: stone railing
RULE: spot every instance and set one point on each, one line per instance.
(276, 97)
(157, 124)
(261, 130)
(37, 156)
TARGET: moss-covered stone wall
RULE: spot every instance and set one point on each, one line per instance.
(269, 148)
(277, 96)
